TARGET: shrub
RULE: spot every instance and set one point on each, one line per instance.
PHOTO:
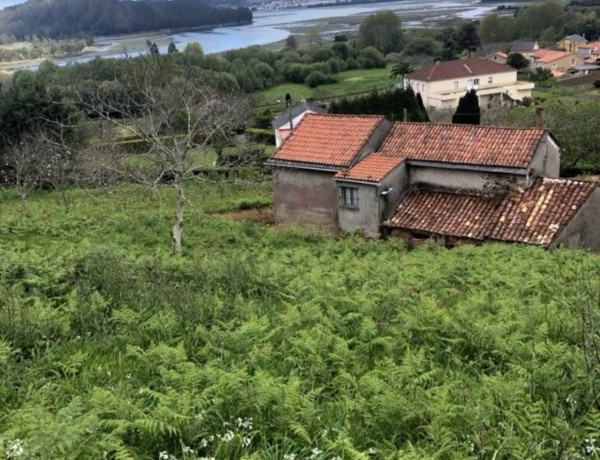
(370, 58)
(316, 78)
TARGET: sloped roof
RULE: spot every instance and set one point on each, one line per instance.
(546, 55)
(518, 47)
(330, 140)
(460, 68)
(576, 38)
(304, 106)
(456, 144)
(374, 168)
(464, 144)
(535, 215)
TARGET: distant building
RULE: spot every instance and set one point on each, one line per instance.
(281, 124)
(498, 57)
(451, 183)
(557, 62)
(524, 48)
(571, 43)
(444, 83)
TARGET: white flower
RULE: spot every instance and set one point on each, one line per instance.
(315, 452)
(15, 449)
(289, 457)
(200, 415)
(227, 437)
(164, 455)
(246, 442)
(187, 450)
(371, 451)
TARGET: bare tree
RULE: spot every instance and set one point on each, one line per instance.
(37, 161)
(172, 112)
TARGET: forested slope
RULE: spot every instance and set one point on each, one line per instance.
(68, 18)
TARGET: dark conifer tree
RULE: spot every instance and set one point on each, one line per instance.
(467, 112)
(424, 113)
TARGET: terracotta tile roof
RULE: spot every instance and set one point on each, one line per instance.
(464, 144)
(374, 168)
(460, 68)
(458, 144)
(332, 140)
(546, 55)
(532, 216)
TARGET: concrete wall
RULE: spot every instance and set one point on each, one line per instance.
(584, 229)
(546, 161)
(365, 218)
(305, 196)
(373, 207)
(462, 179)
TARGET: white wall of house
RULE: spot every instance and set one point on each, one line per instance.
(446, 93)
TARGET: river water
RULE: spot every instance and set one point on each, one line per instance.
(272, 26)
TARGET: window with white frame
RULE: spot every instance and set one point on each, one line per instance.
(490, 80)
(476, 81)
(349, 197)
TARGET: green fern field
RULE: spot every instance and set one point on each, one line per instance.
(270, 343)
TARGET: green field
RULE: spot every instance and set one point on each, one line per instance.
(275, 343)
(350, 82)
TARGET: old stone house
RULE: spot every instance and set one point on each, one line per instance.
(453, 183)
(444, 83)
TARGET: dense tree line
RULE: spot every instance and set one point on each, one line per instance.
(546, 22)
(68, 18)
(391, 104)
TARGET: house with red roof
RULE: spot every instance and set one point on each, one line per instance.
(309, 158)
(452, 183)
(557, 62)
(444, 83)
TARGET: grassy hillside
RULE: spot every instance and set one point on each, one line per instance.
(280, 343)
(350, 82)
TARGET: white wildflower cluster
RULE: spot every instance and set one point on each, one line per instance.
(14, 449)
(570, 400)
(289, 457)
(371, 451)
(315, 452)
(588, 447)
(164, 455)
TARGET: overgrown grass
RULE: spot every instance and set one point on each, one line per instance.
(350, 82)
(261, 342)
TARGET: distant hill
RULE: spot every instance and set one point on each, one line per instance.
(69, 18)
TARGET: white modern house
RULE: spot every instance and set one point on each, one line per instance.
(444, 83)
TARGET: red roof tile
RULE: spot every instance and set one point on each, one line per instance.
(332, 140)
(458, 144)
(534, 216)
(460, 68)
(374, 168)
(546, 55)
(464, 144)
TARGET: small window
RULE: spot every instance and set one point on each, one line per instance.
(349, 197)
(476, 81)
(554, 65)
(490, 80)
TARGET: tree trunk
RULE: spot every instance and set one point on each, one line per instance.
(177, 231)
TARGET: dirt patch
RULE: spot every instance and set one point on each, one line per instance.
(260, 215)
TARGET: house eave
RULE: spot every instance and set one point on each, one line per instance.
(299, 165)
(467, 167)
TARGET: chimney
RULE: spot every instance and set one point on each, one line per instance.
(540, 116)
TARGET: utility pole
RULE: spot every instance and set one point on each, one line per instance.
(288, 103)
